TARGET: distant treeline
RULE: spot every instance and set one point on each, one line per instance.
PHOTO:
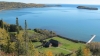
(73, 40)
(41, 35)
(45, 34)
(11, 5)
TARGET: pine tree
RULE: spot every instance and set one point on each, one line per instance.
(17, 43)
(8, 45)
(26, 39)
(25, 31)
(25, 25)
(2, 24)
(80, 52)
(7, 28)
(17, 25)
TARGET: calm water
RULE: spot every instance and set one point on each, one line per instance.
(67, 21)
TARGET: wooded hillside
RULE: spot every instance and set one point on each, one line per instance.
(10, 5)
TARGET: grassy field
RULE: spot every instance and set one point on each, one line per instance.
(54, 50)
(36, 43)
(66, 46)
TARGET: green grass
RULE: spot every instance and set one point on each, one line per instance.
(36, 43)
(65, 44)
(54, 50)
(12, 32)
(31, 31)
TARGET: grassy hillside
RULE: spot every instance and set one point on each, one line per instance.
(65, 48)
(68, 44)
(3, 36)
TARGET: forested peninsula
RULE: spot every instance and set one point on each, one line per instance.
(12, 5)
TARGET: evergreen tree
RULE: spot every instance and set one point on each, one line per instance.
(25, 25)
(80, 52)
(17, 43)
(17, 25)
(2, 24)
(7, 28)
(8, 45)
(26, 39)
(25, 31)
(17, 47)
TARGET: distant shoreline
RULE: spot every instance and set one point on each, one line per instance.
(1, 9)
(11, 5)
(73, 40)
(18, 5)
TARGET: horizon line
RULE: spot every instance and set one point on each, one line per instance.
(52, 3)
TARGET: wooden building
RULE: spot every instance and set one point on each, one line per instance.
(50, 43)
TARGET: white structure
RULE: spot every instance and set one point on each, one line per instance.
(91, 39)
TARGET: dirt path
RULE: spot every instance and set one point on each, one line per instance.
(65, 49)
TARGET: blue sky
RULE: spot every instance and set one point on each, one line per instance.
(57, 1)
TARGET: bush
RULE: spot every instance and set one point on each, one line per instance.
(13, 28)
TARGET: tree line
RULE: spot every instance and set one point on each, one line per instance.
(21, 45)
(11, 5)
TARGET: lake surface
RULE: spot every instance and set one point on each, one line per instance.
(67, 20)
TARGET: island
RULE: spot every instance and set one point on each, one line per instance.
(85, 7)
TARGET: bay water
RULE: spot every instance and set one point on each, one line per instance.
(67, 21)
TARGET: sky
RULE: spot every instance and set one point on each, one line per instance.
(57, 1)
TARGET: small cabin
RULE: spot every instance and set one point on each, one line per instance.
(54, 43)
(51, 42)
(47, 44)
